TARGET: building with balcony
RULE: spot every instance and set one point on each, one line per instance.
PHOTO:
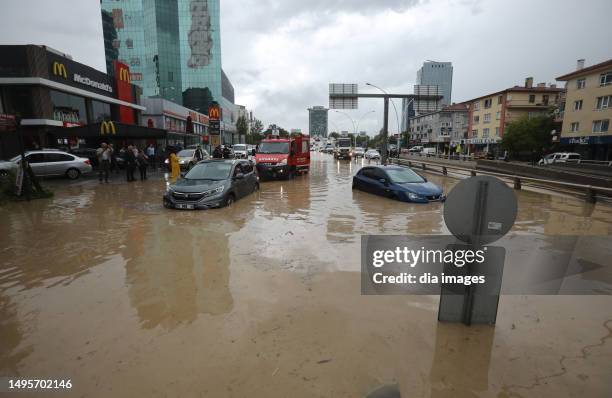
(317, 121)
(444, 129)
(490, 114)
(588, 110)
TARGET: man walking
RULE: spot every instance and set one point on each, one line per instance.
(104, 154)
(130, 163)
(151, 155)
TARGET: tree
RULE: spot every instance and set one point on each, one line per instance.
(528, 134)
(256, 127)
(241, 126)
(334, 135)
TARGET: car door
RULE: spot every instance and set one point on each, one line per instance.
(249, 177)
(37, 163)
(368, 180)
(238, 184)
(378, 187)
(57, 163)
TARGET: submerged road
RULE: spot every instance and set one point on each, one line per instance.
(104, 286)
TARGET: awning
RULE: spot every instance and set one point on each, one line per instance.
(110, 130)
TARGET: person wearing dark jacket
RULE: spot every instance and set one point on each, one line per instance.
(143, 164)
(130, 163)
(217, 153)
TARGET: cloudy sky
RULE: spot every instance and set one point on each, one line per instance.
(281, 54)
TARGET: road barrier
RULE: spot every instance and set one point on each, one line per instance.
(589, 192)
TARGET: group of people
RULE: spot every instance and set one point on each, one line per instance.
(222, 152)
(132, 156)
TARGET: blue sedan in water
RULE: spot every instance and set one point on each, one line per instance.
(400, 183)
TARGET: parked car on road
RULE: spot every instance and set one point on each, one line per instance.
(428, 151)
(187, 158)
(400, 183)
(212, 183)
(416, 149)
(240, 151)
(358, 152)
(46, 163)
(559, 157)
(372, 154)
(7, 166)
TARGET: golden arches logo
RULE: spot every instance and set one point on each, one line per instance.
(107, 128)
(59, 69)
(214, 113)
(124, 75)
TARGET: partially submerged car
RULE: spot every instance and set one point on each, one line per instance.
(212, 183)
(400, 183)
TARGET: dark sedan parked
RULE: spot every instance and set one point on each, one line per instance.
(400, 183)
(212, 183)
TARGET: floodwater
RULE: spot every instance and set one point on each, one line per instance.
(104, 286)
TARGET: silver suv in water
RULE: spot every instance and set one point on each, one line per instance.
(55, 163)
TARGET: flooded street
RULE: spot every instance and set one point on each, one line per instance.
(104, 286)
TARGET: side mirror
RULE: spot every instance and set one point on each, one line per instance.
(383, 181)
(239, 176)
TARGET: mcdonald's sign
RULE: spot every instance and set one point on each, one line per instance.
(107, 128)
(214, 112)
(59, 69)
(124, 75)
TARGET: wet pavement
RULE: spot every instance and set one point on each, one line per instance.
(104, 286)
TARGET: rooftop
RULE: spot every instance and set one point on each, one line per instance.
(587, 70)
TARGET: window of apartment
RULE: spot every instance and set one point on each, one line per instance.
(497, 131)
(487, 118)
(500, 99)
(476, 119)
(545, 99)
(601, 126)
(605, 79)
(487, 103)
(574, 127)
(476, 106)
(475, 133)
(604, 102)
(485, 132)
(531, 98)
(581, 83)
(578, 105)
(497, 115)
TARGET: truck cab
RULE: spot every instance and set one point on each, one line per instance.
(343, 149)
(283, 157)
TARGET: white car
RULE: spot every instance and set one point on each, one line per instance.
(240, 151)
(7, 166)
(415, 149)
(372, 154)
(358, 152)
(55, 163)
(559, 157)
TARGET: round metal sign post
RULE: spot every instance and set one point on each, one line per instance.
(478, 211)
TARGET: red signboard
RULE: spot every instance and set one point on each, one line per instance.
(124, 92)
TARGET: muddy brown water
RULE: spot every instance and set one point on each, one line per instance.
(103, 286)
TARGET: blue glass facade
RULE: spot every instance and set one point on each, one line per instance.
(173, 48)
(437, 74)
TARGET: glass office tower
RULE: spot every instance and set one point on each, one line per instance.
(437, 74)
(173, 48)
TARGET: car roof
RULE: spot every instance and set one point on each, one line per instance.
(231, 161)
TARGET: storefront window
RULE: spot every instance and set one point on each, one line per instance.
(68, 108)
(100, 111)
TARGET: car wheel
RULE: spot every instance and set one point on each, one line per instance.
(229, 200)
(73, 174)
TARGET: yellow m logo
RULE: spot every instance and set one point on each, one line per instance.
(124, 75)
(59, 69)
(107, 128)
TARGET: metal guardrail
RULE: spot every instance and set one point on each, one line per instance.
(470, 157)
(589, 191)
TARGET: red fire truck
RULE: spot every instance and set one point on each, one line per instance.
(283, 157)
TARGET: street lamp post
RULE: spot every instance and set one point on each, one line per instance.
(359, 121)
(385, 127)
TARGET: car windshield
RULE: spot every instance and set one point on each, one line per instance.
(402, 176)
(344, 142)
(239, 147)
(274, 147)
(372, 151)
(359, 149)
(210, 171)
(186, 153)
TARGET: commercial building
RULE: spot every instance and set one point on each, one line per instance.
(417, 106)
(490, 114)
(55, 97)
(317, 121)
(437, 74)
(445, 129)
(588, 110)
(174, 50)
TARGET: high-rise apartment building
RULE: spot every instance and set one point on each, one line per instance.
(173, 48)
(317, 121)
